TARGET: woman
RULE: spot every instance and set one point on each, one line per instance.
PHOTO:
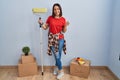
(57, 26)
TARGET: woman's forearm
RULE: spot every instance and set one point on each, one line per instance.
(64, 29)
(45, 26)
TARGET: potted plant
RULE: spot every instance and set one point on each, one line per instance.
(26, 50)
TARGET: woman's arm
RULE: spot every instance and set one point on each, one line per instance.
(65, 27)
(43, 25)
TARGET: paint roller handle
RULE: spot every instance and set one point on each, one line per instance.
(41, 23)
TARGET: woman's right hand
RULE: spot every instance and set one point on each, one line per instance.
(44, 26)
(40, 21)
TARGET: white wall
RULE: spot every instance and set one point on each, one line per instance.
(88, 35)
(114, 62)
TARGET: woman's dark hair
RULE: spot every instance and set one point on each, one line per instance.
(56, 4)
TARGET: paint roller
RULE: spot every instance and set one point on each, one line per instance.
(38, 11)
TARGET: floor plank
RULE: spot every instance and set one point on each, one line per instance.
(95, 74)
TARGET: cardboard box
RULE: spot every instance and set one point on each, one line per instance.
(27, 59)
(80, 70)
(27, 69)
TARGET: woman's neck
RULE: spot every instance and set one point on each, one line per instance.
(57, 16)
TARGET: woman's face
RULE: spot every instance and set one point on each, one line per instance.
(56, 11)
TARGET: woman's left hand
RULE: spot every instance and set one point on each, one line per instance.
(65, 27)
(67, 23)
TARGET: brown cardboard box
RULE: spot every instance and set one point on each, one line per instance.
(80, 70)
(27, 59)
(27, 69)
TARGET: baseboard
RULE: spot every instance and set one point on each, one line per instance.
(15, 66)
(9, 67)
(47, 67)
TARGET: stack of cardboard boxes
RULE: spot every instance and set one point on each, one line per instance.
(27, 66)
(82, 71)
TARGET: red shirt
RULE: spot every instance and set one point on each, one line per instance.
(56, 25)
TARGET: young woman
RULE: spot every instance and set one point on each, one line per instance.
(56, 43)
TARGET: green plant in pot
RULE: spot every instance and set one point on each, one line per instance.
(26, 50)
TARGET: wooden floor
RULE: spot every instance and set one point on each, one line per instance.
(95, 74)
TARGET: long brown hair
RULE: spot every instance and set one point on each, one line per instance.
(56, 4)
